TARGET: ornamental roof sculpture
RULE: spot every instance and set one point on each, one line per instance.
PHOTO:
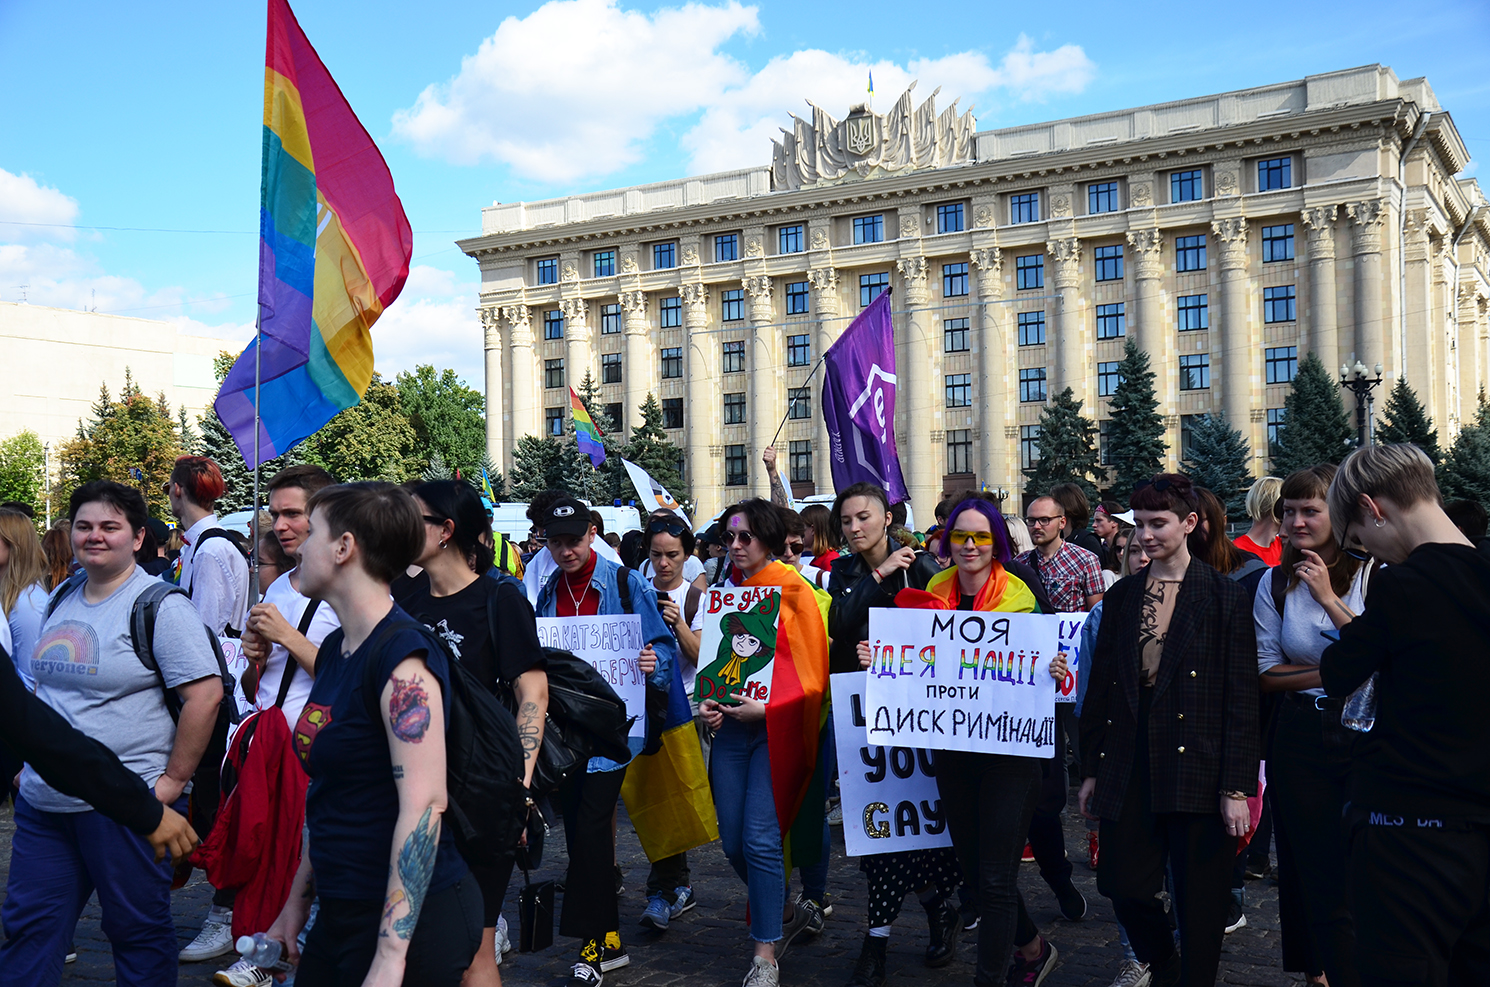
(867, 144)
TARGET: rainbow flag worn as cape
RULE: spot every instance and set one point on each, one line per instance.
(334, 253)
(586, 435)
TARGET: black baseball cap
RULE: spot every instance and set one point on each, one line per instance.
(566, 516)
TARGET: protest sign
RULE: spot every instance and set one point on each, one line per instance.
(888, 794)
(962, 680)
(738, 642)
(1068, 639)
(611, 643)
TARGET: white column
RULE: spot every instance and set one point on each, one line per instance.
(764, 410)
(824, 281)
(1148, 328)
(919, 461)
(636, 353)
(579, 351)
(1238, 348)
(994, 361)
(705, 478)
(1324, 333)
(491, 327)
(524, 372)
(1070, 335)
(1371, 332)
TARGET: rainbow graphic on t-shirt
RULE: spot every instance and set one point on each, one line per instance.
(68, 648)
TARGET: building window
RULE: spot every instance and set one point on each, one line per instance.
(1029, 272)
(672, 362)
(726, 247)
(789, 240)
(799, 460)
(1195, 371)
(1275, 418)
(1104, 451)
(871, 286)
(1108, 263)
(1189, 253)
(1194, 313)
(1024, 208)
(664, 255)
(949, 218)
(732, 305)
(798, 402)
(1187, 435)
(797, 297)
(954, 335)
(610, 320)
(869, 229)
(670, 312)
(1186, 186)
(610, 368)
(734, 358)
(672, 412)
(553, 373)
(1110, 321)
(1029, 446)
(1274, 173)
(954, 280)
(553, 324)
(548, 270)
(1102, 197)
(1031, 328)
(734, 466)
(1282, 364)
(959, 391)
(734, 408)
(1032, 384)
(798, 350)
(613, 412)
(959, 451)
(1108, 379)
(1278, 304)
(553, 421)
(1277, 243)
(605, 263)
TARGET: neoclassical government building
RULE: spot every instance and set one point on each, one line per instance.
(1227, 235)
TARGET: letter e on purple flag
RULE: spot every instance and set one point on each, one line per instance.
(859, 402)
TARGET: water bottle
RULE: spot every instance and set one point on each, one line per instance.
(263, 952)
(1359, 712)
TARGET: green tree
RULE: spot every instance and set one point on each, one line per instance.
(133, 441)
(540, 464)
(1465, 472)
(1314, 428)
(436, 468)
(1135, 438)
(608, 481)
(447, 418)
(1404, 419)
(653, 451)
(1068, 449)
(215, 443)
(372, 440)
(1219, 460)
(22, 462)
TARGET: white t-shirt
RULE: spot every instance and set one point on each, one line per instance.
(679, 596)
(291, 604)
(24, 627)
(693, 567)
(1296, 638)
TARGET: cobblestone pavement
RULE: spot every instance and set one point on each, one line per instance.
(708, 946)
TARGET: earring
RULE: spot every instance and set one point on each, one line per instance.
(1381, 522)
(442, 546)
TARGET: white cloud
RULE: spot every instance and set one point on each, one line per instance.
(433, 321)
(32, 211)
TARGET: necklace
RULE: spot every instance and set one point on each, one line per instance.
(568, 588)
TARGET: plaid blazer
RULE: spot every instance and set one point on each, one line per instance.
(1203, 725)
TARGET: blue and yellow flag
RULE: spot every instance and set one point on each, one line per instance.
(667, 794)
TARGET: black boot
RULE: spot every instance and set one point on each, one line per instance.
(870, 970)
(944, 924)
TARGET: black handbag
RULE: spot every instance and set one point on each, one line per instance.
(535, 915)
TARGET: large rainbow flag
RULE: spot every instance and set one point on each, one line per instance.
(586, 435)
(334, 253)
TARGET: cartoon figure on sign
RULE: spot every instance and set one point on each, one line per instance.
(744, 653)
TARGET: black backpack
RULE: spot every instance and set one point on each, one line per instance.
(486, 804)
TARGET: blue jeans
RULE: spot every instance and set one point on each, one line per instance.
(740, 774)
(57, 860)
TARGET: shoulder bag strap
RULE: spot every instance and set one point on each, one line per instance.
(291, 665)
(623, 587)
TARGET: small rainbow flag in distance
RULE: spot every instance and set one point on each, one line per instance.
(586, 435)
(334, 253)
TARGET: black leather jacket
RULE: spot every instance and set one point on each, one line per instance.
(852, 586)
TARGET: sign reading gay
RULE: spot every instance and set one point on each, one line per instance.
(611, 643)
(962, 681)
(1068, 639)
(738, 642)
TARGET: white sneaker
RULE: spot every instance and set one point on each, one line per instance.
(504, 943)
(763, 973)
(243, 974)
(215, 939)
(1133, 974)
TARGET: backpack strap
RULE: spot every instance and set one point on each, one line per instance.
(212, 533)
(690, 603)
(1278, 585)
(623, 587)
(142, 638)
(291, 665)
(63, 591)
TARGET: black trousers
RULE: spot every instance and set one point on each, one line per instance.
(1421, 896)
(988, 800)
(1299, 952)
(340, 947)
(588, 802)
(1307, 765)
(1046, 837)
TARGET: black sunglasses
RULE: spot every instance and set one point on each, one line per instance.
(1355, 553)
(1160, 485)
(673, 527)
(436, 521)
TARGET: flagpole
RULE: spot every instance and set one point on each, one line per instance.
(253, 555)
(805, 382)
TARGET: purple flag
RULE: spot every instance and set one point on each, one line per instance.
(859, 402)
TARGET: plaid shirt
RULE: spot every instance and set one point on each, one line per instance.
(1070, 576)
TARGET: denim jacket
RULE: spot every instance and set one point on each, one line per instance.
(654, 631)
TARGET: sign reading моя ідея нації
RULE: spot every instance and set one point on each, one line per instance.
(962, 680)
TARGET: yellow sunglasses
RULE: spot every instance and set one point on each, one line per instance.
(980, 538)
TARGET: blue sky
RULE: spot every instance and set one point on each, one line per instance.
(148, 115)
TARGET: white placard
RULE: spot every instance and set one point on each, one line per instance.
(962, 680)
(888, 794)
(737, 646)
(1068, 635)
(611, 643)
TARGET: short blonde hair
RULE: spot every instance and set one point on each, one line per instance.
(1401, 473)
(1262, 497)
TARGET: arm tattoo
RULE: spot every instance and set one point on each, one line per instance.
(416, 864)
(408, 709)
(528, 722)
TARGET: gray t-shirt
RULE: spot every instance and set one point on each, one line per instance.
(86, 670)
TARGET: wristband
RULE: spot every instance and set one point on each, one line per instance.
(1236, 796)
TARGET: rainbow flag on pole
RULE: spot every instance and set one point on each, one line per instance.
(334, 253)
(585, 433)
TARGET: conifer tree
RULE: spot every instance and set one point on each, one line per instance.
(495, 477)
(1314, 429)
(1219, 460)
(1135, 438)
(653, 451)
(608, 481)
(214, 442)
(544, 463)
(1404, 419)
(1068, 449)
(437, 470)
(133, 441)
(1465, 472)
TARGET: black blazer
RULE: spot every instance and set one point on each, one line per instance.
(1203, 730)
(855, 591)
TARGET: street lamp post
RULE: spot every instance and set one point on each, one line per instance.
(1354, 379)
